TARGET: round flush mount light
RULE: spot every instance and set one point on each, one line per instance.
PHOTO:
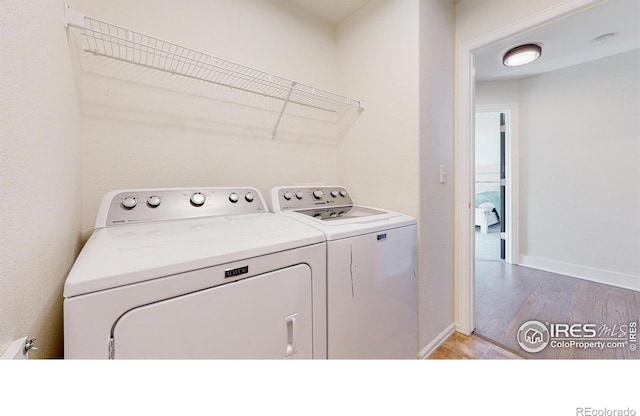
(521, 55)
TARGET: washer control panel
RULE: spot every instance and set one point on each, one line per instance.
(144, 205)
(296, 198)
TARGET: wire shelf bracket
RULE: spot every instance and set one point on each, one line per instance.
(122, 44)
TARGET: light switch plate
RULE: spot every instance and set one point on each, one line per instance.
(443, 174)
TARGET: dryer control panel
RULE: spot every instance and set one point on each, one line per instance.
(296, 198)
(161, 204)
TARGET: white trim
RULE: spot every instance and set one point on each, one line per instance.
(436, 342)
(463, 215)
(513, 171)
(15, 350)
(606, 277)
(465, 99)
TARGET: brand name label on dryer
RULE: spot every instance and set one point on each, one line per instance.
(382, 237)
(236, 272)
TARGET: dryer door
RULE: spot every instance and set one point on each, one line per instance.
(266, 316)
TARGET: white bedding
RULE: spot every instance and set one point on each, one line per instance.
(487, 180)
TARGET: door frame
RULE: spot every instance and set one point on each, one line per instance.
(464, 268)
(511, 154)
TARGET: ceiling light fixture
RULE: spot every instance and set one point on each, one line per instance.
(521, 55)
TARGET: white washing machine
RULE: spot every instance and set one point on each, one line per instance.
(371, 271)
(196, 273)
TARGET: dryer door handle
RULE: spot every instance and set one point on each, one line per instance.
(291, 334)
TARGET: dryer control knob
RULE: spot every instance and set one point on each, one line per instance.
(287, 195)
(198, 199)
(318, 194)
(129, 202)
(299, 194)
(334, 194)
(153, 201)
(343, 193)
(249, 197)
(234, 197)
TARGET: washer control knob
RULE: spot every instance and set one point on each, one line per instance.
(333, 215)
(153, 201)
(343, 193)
(234, 197)
(129, 202)
(318, 194)
(249, 197)
(334, 194)
(287, 195)
(198, 199)
(299, 194)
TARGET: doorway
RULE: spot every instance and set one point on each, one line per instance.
(489, 198)
(464, 193)
(495, 183)
(495, 220)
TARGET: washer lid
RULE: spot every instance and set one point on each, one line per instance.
(340, 213)
(363, 220)
(118, 256)
(331, 210)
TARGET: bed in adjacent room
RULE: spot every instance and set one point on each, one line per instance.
(487, 197)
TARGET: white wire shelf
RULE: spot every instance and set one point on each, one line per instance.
(126, 45)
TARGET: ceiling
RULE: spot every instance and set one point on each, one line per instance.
(567, 42)
(331, 11)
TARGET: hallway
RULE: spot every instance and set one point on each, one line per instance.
(508, 296)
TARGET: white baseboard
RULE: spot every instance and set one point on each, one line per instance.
(436, 342)
(606, 277)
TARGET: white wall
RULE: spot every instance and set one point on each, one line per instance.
(435, 149)
(475, 18)
(147, 129)
(39, 174)
(497, 92)
(579, 146)
(580, 176)
(378, 51)
(487, 136)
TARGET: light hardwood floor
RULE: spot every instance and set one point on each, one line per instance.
(460, 346)
(508, 296)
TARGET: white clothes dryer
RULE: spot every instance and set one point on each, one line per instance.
(371, 271)
(196, 273)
